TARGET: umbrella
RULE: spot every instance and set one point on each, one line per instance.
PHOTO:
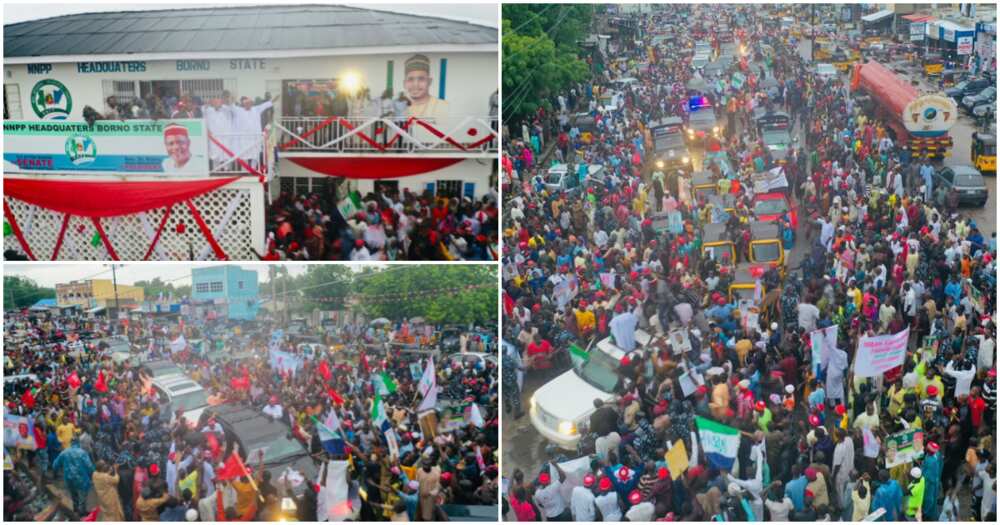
(381, 320)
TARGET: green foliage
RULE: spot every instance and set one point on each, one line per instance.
(155, 287)
(324, 281)
(21, 292)
(452, 304)
(540, 54)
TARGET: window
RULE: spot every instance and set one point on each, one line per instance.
(201, 287)
(239, 284)
(449, 188)
(216, 286)
(11, 101)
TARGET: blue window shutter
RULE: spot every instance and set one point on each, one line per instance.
(442, 78)
(470, 190)
(430, 187)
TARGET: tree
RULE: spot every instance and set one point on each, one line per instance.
(325, 287)
(21, 292)
(438, 293)
(154, 288)
(540, 54)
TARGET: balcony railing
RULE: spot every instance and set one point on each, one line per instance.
(242, 154)
(471, 136)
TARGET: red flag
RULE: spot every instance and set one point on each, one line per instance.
(28, 399)
(240, 383)
(101, 385)
(232, 469)
(324, 370)
(213, 444)
(73, 380)
(364, 362)
(337, 400)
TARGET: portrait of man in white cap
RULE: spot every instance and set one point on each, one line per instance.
(417, 83)
(178, 145)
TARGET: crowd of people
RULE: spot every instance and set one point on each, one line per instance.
(98, 440)
(884, 253)
(389, 227)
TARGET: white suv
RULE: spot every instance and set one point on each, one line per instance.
(560, 407)
(182, 394)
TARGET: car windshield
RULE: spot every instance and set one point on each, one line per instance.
(281, 448)
(770, 207)
(600, 371)
(765, 251)
(703, 115)
(743, 293)
(775, 138)
(554, 178)
(718, 252)
(189, 401)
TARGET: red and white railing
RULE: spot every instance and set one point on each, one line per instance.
(472, 136)
(242, 154)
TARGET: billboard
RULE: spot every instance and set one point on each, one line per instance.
(109, 146)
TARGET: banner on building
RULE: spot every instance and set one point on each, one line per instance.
(963, 45)
(876, 355)
(917, 31)
(109, 146)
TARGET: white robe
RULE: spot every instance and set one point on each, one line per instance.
(246, 122)
(220, 124)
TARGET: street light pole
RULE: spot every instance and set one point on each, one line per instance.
(812, 30)
(114, 283)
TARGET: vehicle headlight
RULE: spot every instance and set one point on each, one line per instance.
(686, 160)
(532, 402)
(715, 129)
(690, 132)
(659, 164)
(567, 428)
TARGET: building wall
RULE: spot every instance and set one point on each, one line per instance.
(470, 78)
(476, 172)
(223, 284)
(208, 284)
(96, 292)
(74, 293)
(104, 290)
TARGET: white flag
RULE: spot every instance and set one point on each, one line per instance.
(178, 345)
(428, 387)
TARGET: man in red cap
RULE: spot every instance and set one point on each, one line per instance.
(931, 470)
(178, 146)
(582, 501)
(548, 495)
(608, 502)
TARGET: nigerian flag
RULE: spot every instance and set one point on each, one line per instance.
(350, 206)
(720, 443)
(578, 355)
(385, 384)
(379, 418)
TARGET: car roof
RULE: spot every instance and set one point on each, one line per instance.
(701, 177)
(760, 230)
(743, 275)
(251, 426)
(713, 232)
(963, 170)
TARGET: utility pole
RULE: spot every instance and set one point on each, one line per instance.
(114, 284)
(812, 29)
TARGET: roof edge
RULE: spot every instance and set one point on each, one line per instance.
(280, 53)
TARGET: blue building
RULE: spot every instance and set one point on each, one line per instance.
(230, 289)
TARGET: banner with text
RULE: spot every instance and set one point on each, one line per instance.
(114, 146)
(876, 355)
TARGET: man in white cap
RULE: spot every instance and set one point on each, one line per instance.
(915, 489)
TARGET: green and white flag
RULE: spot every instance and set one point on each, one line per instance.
(385, 384)
(578, 355)
(379, 418)
(720, 442)
(350, 206)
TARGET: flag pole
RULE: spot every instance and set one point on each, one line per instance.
(250, 477)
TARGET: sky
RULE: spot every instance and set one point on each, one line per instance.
(480, 13)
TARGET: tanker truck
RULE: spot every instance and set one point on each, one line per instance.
(919, 123)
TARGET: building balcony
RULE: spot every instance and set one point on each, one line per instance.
(460, 137)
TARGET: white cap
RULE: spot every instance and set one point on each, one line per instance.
(774, 326)
(191, 515)
(734, 489)
(915, 472)
(790, 388)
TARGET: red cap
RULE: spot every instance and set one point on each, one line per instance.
(154, 470)
(810, 473)
(932, 390)
(583, 304)
(809, 494)
(662, 473)
(820, 407)
(933, 447)
(359, 243)
(635, 497)
(760, 406)
(702, 389)
(604, 484)
(814, 420)
(670, 517)
(840, 409)
(992, 372)
(588, 480)
(544, 478)
(624, 473)
(175, 129)
(446, 477)
(633, 276)
(625, 360)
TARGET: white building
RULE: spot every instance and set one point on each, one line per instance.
(315, 60)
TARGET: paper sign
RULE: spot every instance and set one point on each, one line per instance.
(677, 459)
(879, 354)
(680, 341)
(687, 383)
(904, 447)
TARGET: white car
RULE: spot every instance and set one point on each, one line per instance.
(472, 358)
(560, 180)
(826, 71)
(560, 407)
(182, 394)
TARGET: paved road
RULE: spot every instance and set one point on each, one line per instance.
(523, 448)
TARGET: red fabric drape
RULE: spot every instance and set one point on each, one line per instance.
(107, 199)
(373, 167)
